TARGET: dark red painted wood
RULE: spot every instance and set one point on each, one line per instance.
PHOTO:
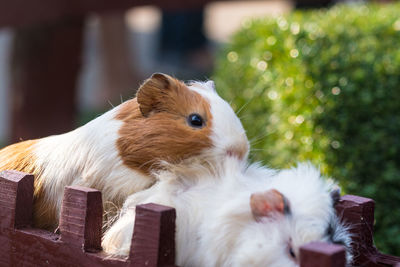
(359, 213)
(320, 254)
(81, 217)
(153, 239)
(16, 195)
(80, 227)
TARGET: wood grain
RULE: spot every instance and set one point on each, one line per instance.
(80, 227)
(153, 238)
(358, 212)
(16, 196)
(81, 217)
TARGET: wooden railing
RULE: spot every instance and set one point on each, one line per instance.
(153, 240)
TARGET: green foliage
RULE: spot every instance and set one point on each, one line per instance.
(324, 86)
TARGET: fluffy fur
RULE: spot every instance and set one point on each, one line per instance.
(216, 225)
(117, 152)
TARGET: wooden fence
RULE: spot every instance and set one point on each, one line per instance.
(79, 241)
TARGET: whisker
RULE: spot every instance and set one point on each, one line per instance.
(109, 102)
(244, 116)
(258, 139)
(243, 106)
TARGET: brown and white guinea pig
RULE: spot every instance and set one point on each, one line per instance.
(239, 216)
(168, 124)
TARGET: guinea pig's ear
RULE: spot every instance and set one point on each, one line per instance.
(150, 94)
(264, 204)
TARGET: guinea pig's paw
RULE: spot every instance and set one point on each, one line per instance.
(117, 240)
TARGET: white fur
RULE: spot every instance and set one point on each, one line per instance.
(88, 156)
(215, 225)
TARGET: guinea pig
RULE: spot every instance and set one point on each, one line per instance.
(239, 216)
(168, 124)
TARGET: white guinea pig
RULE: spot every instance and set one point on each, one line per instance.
(169, 124)
(239, 216)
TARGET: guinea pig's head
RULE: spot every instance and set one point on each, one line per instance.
(276, 222)
(278, 232)
(175, 123)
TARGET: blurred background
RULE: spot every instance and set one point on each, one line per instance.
(312, 80)
(74, 63)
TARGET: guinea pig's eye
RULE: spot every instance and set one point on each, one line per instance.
(291, 252)
(195, 120)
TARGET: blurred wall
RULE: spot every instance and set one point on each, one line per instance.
(5, 39)
(143, 24)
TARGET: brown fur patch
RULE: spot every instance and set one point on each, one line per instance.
(20, 157)
(155, 125)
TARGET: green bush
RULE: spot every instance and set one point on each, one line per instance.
(324, 86)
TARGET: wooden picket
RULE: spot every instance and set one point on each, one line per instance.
(153, 242)
(79, 241)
